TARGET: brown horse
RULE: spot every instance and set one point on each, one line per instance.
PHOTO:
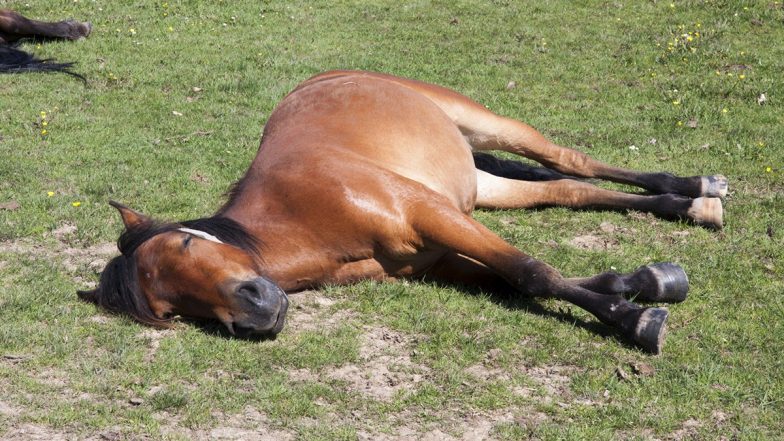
(368, 176)
(15, 27)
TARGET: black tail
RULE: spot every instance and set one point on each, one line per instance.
(515, 169)
(13, 60)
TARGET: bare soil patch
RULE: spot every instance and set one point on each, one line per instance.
(384, 368)
(312, 311)
(64, 251)
(248, 425)
(35, 432)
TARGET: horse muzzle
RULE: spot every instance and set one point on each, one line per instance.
(260, 307)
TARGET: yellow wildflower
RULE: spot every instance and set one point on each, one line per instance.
(768, 169)
(44, 132)
(44, 123)
(43, 114)
(741, 76)
(724, 110)
(76, 203)
(50, 193)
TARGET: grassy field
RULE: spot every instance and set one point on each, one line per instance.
(176, 98)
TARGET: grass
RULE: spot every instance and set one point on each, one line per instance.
(679, 81)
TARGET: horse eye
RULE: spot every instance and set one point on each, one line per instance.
(187, 241)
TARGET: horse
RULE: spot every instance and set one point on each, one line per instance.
(15, 27)
(363, 175)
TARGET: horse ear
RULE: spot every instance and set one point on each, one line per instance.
(131, 218)
(88, 296)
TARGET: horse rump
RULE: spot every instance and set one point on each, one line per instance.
(14, 60)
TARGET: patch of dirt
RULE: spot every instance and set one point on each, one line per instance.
(460, 426)
(553, 380)
(153, 339)
(310, 311)
(384, 368)
(8, 410)
(34, 432)
(593, 242)
(249, 425)
(604, 239)
(688, 430)
(63, 252)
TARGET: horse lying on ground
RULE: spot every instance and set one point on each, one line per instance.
(368, 176)
(14, 27)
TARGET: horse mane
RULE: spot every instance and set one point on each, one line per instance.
(119, 291)
(13, 60)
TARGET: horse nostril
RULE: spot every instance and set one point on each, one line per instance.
(249, 289)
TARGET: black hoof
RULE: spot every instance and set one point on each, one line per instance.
(650, 329)
(663, 282)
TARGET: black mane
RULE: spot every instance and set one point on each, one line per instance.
(225, 229)
(119, 290)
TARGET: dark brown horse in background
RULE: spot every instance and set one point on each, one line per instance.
(15, 27)
(368, 176)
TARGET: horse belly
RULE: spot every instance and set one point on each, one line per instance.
(391, 126)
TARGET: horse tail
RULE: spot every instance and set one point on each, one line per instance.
(13, 60)
(515, 169)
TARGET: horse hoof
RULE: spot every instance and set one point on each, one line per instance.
(707, 212)
(663, 282)
(650, 329)
(714, 186)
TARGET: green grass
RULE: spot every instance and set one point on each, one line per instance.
(596, 75)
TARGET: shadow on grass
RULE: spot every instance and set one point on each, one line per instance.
(507, 297)
(217, 329)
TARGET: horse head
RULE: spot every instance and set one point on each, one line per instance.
(205, 268)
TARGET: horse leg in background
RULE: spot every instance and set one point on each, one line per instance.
(485, 130)
(488, 131)
(437, 222)
(14, 26)
(498, 192)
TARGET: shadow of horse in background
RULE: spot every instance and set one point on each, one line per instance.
(363, 175)
(15, 27)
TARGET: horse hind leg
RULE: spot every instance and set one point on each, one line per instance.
(497, 192)
(485, 130)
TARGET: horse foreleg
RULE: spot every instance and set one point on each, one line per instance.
(441, 225)
(659, 282)
(497, 192)
(14, 26)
